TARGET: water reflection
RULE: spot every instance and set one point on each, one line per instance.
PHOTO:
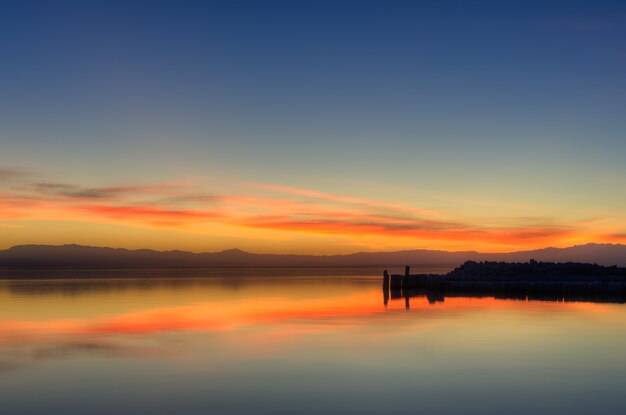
(250, 343)
(439, 296)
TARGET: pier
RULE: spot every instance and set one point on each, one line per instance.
(521, 281)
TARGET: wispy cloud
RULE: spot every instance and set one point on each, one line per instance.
(7, 174)
(616, 237)
(270, 208)
(345, 199)
(416, 229)
(150, 214)
(80, 192)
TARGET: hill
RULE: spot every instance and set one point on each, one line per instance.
(87, 256)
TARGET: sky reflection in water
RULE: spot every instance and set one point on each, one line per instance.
(299, 344)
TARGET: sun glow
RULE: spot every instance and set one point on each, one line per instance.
(265, 218)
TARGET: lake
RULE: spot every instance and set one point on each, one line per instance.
(296, 342)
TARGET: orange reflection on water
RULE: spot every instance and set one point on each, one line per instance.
(209, 316)
(222, 315)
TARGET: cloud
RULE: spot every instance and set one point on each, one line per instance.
(417, 229)
(346, 199)
(192, 198)
(618, 236)
(79, 192)
(67, 190)
(145, 213)
(7, 365)
(160, 204)
(277, 209)
(7, 174)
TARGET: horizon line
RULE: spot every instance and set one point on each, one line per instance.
(303, 254)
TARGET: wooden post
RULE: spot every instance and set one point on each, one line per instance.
(385, 288)
(406, 282)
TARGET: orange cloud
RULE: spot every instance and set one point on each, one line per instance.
(412, 229)
(147, 213)
(281, 209)
(65, 190)
(346, 199)
(618, 237)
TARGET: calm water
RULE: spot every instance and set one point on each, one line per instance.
(287, 342)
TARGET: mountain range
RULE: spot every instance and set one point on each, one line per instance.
(87, 256)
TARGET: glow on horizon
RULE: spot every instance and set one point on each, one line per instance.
(263, 217)
(313, 127)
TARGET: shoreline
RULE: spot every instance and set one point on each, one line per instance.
(569, 281)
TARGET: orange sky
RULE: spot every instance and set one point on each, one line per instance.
(201, 214)
(283, 129)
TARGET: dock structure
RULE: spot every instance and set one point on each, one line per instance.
(404, 281)
(522, 281)
(406, 278)
(395, 282)
(385, 288)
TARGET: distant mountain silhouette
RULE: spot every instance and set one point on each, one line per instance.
(87, 256)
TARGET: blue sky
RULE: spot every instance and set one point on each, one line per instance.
(518, 102)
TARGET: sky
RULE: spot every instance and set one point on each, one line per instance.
(313, 127)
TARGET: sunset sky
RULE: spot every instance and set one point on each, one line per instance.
(313, 127)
